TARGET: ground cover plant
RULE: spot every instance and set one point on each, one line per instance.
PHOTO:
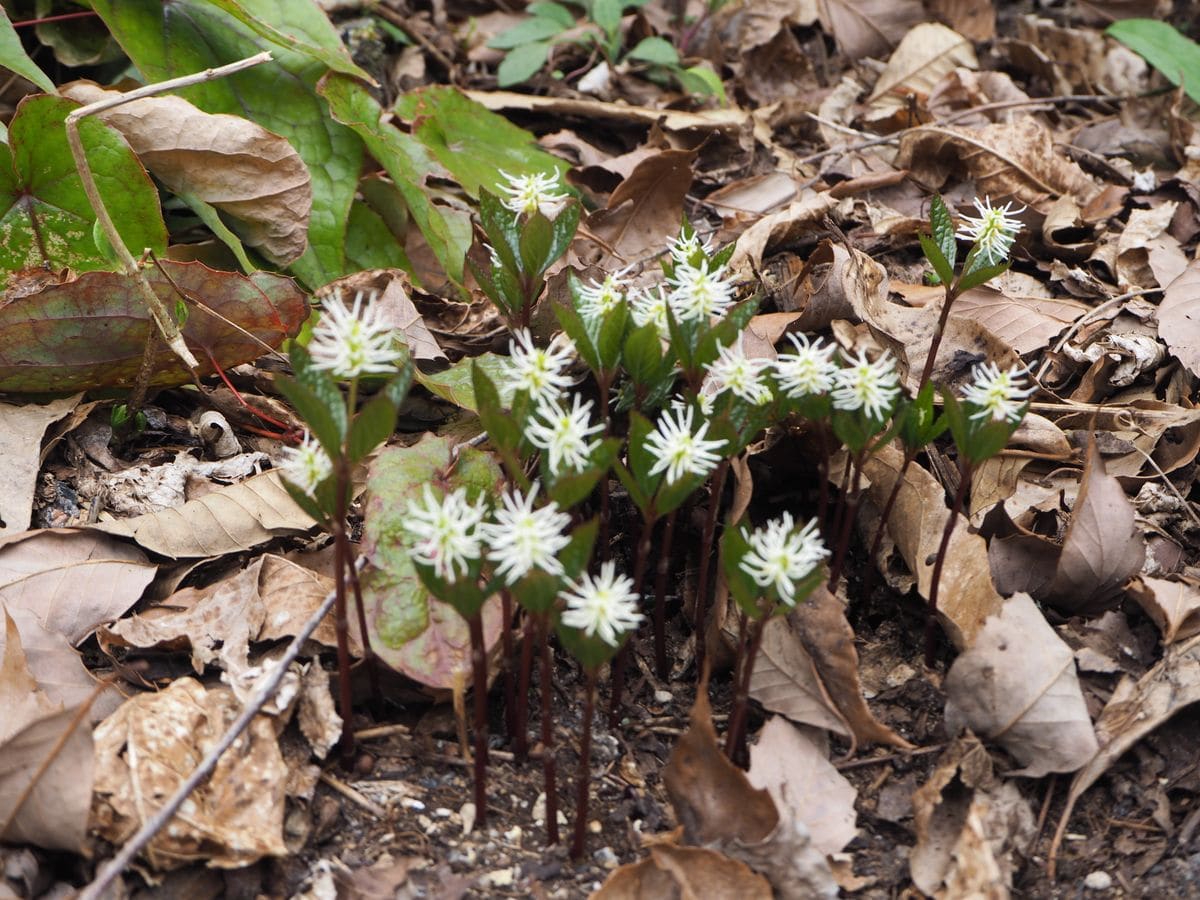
(757, 458)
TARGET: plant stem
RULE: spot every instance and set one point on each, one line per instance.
(964, 472)
(341, 560)
(479, 669)
(936, 343)
(521, 738)
(622, 658)
(700, 612)
(850, 513)
(606, 418)
(735, 738)
(584, 777)
(549, 763)
(660, 599)
(893, 495)
(510, 682)
(369, 658)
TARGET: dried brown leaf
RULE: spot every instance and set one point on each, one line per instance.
(153, 742)
(231, 519)
(684, 873)
(394, 306)
(21, 430)
(804, 784)
(57, 667)
(785, 680)
(802, 215)
(71, 581)
(926, 55)
(1024, 323)
(975, 19)
(1179, 317)
(230, 162)
(1173, 605)
(1103, 547)
(966, 596)
(869, 27)
(1016, 684)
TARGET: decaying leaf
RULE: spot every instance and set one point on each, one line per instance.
(393, 305)
(779, 228)
(803, 784)
(868, 27)
(56, 666)
(1016, 684)
(968, 824)
(230, 162)
(153, 742)
(71, 581)
(967, 596)
(1179, 318)
(1103, 547)
(1174, 606)
(683, 873)
(1022, 322)
(230, 519)
(54, 813)
(926, 54)
(21, 430)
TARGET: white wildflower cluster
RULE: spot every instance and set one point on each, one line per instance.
(997, 396)
(993, 230)
(679, 450)
(528, 194)
(354, 341)
(869, 387)
(307, 466)
(604, 606)
(781, 555)
(541, 371)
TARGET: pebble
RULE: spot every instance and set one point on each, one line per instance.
(902, 674)
(442, 813)
(663, 697)
(412, 803)
(605, 857)
(425, 822)
(595, 827)
(500, 878)
(468, 817)
(1098, 881)
(513, 835)
(539, 809)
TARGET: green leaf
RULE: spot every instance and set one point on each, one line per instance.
(607, 14)
(570, 488)
(315, 414)
(702, 80)
(942, 224)
(166, 40)
(655, 50)
(455, 384)
(522, 63)
(933, 253)
(744, 590)
(556, 11)
(1165, 48)
(643, 354)
(323, 385)
(641, 458)
(370, 243)
(471, 142)
(920, 424)
(372, 425)
(535, 28)
(577, 329)
(210, 217)
(14, 58)
(46, 220)
(611, 337)
(566, 223)
(535, 245)
(981, 275)
(503, 229)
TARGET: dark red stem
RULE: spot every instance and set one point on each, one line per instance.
(369, 658)
(849, 514)
(622, 659)
(909, 456)
(549, 763)
(700, 612)
(479, 669)
(521, 738)
(510, 680)
(46, 20)
(735, 738)
(341, 554)
(964, 473)
(660, 598)
(584, 777)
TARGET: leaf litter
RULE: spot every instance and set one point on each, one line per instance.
(1092, 511)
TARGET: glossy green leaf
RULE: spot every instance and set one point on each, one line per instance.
(370, 243)
(454, 384)
(522, 63)
(977, 276)
(655, 50)
(14, 58)
(933, 253)
(942, 225)
(1164, 47)
(555, 11)
(527, 31)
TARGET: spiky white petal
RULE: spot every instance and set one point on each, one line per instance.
(524, 537)
(604, 606)
(597, 300)
(564, 434)
(698, 292)
(780, 555)
(999, 396)
(679, 451)
(307, 466)
(733, 371)
(871, 387)
(539, 370)
(650, 306)
(445, 532)
(993, 230)
(530, 193)
(349, 342)
(809, 371)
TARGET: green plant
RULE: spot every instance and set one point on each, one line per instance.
(1165, 48)
(529, 45)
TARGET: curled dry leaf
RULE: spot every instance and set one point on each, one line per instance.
(918, 518)
(804, 784)
(1179, 317)
(1010, 160)
(232, 163)
(779, 228)
(1173, 605)
(54, 814)
(720, 809)
(680, 873)
(868, 27)
(21, 430)
(1024, 323)
(71, 581)
(1103, 547)
(230, 519)
(926, 54)
(153, 742)
(393, 305)
(968, 824)
(785, 680)
(1016, 684)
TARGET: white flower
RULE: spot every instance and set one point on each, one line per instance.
(604, 606)
(871, 387)
(809, 371)
(999, 395)
(540, 371)
(307, 466)
(733, 371)
(682, 249)
(445, 532)
(779, 555)
(993, 230)
(564, 434)
(353, 342)
(597, 300)
(523, 538)
(530, 193)
(650, 306)
(679, 451)
(697, 293)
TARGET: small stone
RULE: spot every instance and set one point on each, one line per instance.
(1098, 881)
(902, 674)
(663, 697)
(605, 857)
(425, 822)
(468, 817)
(513, 835)
(595, 827)
(412, 803)
(539, 809)
(500, 878)
(442, 813)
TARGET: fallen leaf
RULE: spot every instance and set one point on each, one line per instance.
(803, 784)
(58, 667)
(1173, 605)
(90, 332)
(975, 19)
(802, 215)
(684, 873)
(966, 595)
(394, 306)
(785, 680)
(1024, 323)
(382, 880)
(21, 430)
(231, 519)
(719, 808)
(1179, 319)
(927, 53)
(868, 27)
(153, 742)
(255, 177)
(1016, 684)
(71, 581)
(1103, 547)
(969, 824)
(54, 814)
(644, 212)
